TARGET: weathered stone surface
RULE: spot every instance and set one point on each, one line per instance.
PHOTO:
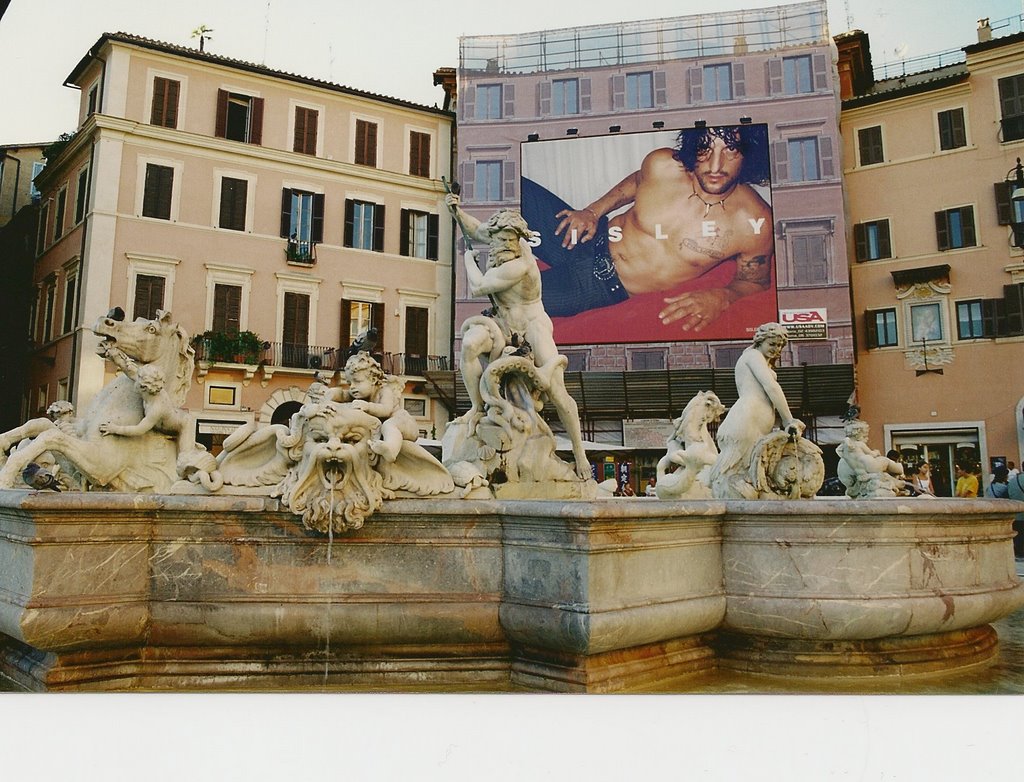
(118, 591)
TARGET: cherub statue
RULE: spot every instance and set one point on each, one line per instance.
(864, 472)
(377, 394)
(161, 414)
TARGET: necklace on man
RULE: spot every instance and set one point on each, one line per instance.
(708, 204)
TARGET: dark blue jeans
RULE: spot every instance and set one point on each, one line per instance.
(580, 279)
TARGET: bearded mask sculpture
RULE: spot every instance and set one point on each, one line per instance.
(332, 484)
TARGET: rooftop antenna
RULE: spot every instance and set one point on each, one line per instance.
(202, 32)
(266, 32)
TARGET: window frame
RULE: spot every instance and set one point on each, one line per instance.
(870, 150)
(253, 130)
(144, 161)
(430, 230)
(60, 211)
(862, 241)
(792, 76)
(160, 118)
(369, 229)
(981, 323)
(944, 229)
(1011, 123)
(420, 151)
(68, 315)
(720, 71)
(891, 325)
(312, 142)
(635, 91)
(222, 274)
(488, 166)
(804, 142)
(493, 107)
(234, 210)
(950, 136)
(155, 266)
(366, 140)
(82, 181)
(914, 313)
(562, 104)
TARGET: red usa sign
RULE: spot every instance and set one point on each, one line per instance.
(805, 323)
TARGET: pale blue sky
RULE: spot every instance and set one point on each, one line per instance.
(390, 47)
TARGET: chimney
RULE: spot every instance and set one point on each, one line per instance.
(984, 30)
(856, 75)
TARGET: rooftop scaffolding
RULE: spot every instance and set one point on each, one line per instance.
(656, 40)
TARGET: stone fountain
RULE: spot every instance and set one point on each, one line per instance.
(335, 553)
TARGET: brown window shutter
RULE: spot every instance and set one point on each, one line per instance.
(156, 116)
(295, 329)
(156, 197)
(256, 121)
(860, 242)
(221, 129)
(227, 308)
(299, 139)
(433, 226)
(416, 323)
(366, 143)
(377, 320)
(286, 212)
(317, 229)
(149, 296)
(350, 222)
(378, 228)
(171, 104)
(403, 232)
(346, 323)
(1004, 209)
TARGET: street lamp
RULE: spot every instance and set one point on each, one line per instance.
(1016, 188)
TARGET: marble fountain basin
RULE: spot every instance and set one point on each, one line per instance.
(151, 592)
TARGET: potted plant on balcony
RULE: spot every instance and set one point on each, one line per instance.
(249, 346)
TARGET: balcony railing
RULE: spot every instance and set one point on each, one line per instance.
(300, 356)
(300, 252)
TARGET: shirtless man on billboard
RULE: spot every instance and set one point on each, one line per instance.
(692, 208)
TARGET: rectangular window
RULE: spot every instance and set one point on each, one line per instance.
(871, 240)
(51, 295)
(810, 259)
(357, 317)
(419, 234)
(364, 225)
(33, 191)
(44, 217)
(239, 117)
(304, 140)
(81, 195)
(488, 180)
(58, 215)
(797, 76)
(366, 143)
(233, 198)
(92, 102)
(488, 101)
(718, 82)
(869, 144)
(417, 320)
(803, 160)
(419, 153)
(164, 111)
(925, 322)
(952, 130)
(295, 330)
(149, 296)
(227, 308)
(70, 293)
(647, 359)
(577, 360)
(640, 90)
(881, 327)
(1011, 104)
(954, 228)
(565, 97)
(970, 319)
(302, 223)
(156, 199)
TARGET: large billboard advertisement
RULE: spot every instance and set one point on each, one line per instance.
(659, 236)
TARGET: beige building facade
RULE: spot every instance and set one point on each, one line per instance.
(937, 273)
(19, 166)
(292, 212)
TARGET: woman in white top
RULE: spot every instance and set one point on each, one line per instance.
(922, 480)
